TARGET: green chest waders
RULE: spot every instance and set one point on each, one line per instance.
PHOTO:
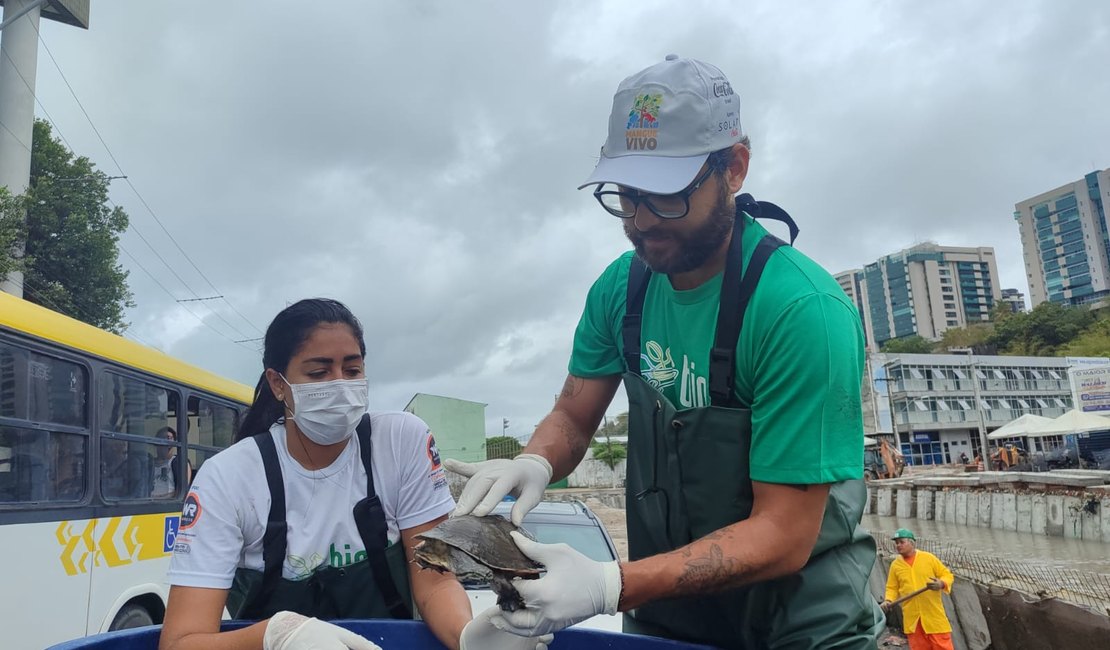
(688, 475)
(377, 587)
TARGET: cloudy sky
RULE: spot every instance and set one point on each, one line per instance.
(417, 160)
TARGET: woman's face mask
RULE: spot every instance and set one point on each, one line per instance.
(328, 411)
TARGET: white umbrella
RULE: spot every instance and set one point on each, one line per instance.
(1074, 421)
(1020, 427)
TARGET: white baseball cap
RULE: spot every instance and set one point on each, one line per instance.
(665, 122)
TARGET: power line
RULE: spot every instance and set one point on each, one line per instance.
(135, 190)
(175, 274)
(82, 309)
(170, 294)
(131, 226)
(16, 137)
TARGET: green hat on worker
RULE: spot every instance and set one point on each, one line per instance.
(904, 533)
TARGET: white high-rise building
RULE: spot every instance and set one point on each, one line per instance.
(923, 291)
(1065, 243)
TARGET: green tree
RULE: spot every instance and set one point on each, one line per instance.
(908, 345)
(976, 336)
(502, 447)
(12, 210)
(1040, 332)
(71, 259)
(609, 452)
(1092, 342)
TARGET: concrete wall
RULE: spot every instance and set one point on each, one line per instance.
(1084, 516)
(592, 473)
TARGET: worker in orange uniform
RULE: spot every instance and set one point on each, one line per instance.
(923, 618)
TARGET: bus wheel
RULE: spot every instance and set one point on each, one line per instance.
(130, 616)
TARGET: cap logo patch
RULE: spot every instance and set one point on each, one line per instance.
(643, 123)
(722, 89)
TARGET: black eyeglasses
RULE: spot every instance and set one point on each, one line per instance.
(665, 206)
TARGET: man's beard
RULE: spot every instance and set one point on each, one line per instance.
(694, 248)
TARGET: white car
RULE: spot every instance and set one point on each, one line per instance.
(552, 522)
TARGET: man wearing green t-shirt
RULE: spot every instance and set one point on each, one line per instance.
(742, 361)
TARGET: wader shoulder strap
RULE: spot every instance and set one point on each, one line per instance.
(766, 210)
(372, 527)
(639, 275)
(736, 293)
(274, 540)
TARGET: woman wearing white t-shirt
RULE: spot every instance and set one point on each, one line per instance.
(313, 512)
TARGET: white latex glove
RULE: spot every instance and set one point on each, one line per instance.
(292, 631)
(525, 477)
(480, 634)
(573, 589)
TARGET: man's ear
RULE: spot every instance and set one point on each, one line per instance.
(738, 169)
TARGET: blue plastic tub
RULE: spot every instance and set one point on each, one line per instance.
(390, 635)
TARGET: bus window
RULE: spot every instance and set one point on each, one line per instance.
(212, 427)
(42, 389)
(133, 468)
(134, 407)
(41, 466)
(38, 464)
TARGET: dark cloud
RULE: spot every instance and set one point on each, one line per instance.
(418, 160)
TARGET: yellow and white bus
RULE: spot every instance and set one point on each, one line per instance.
(93, 431)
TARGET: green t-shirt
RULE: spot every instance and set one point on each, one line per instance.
(799, 360)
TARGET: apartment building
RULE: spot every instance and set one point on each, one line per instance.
(851, 282)
(940, 402)
(1015, 299)
(923, 290)
(1065, 243)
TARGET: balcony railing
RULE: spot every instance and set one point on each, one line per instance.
(993, 417)
(986, 386)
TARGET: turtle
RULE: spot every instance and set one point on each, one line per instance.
(478, 550)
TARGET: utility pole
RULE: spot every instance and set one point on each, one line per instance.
(18, 64)
(20, 43)
(973, 370)
(890, 401)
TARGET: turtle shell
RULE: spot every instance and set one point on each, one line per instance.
(487, 540)
(478, 549)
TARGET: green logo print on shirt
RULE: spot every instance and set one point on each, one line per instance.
(657, 366)
(658, 369)
(305, 567)
(337, 559)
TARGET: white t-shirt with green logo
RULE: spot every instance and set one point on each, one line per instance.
(225, 513)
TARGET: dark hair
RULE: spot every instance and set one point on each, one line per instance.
(720, 159)
(284, 337)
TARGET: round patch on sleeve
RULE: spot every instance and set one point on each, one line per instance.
(190, 512)
(433, 451)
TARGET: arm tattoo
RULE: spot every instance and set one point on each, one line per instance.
(571, 387)
(709, 573)
(575, 441)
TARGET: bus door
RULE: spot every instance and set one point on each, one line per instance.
(142, 487)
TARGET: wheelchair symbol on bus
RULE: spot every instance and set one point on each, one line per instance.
(171, 534)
